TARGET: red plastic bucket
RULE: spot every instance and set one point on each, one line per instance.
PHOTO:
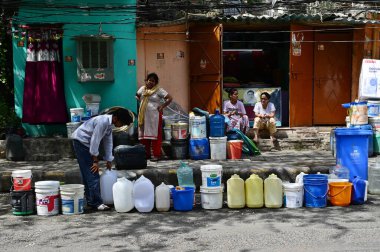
(234, 149)
(22, 180)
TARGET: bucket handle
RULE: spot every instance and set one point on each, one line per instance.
(344, 188)
(316, 196)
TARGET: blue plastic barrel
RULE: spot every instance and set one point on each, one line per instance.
(199, 148)
(315, 190)
(183, 199)
(359, 187)
(352, 150)
(217, 127)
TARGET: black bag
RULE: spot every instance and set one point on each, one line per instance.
(129, 157)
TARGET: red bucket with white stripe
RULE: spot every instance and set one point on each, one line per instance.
(22, 180)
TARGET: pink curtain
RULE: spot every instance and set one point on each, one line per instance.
(44, 98)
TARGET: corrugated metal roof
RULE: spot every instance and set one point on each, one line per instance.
(286, 18)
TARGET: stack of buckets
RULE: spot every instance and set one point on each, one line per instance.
(211, 188)
(198, 145)
(218, 140)
(374, 120)
(76, 115)
(22, 194)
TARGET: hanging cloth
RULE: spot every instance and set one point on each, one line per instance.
(44, 98)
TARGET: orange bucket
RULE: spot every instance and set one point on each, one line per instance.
(234, 149)
(340, 193)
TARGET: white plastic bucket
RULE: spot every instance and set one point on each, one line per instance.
(218, 147)
(76, 114)
(211, 198)
(198, 127)
(167, 133)
(293, 195)
(211, 175)
(373, 108)
(47, 197)
(72, 198)
(22, 180)
(179, 130)
(92, 108)
(375, 123)
(71, 127)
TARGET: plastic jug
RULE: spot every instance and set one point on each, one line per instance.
(374, 177)
(217, 127)
(273, 192)
(339, 172)
(359, 190)
(143, 195)
(162, 198)
(185, 175)
(235, 192)
(123, 195)
(299, 177)
(107, 179)
(254, 191)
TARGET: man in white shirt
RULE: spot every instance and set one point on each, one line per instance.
(264, 116)
(86, 141)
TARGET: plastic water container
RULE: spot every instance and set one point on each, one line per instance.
(235, 192)
(293, 195)
(254, 191)
(373, 108)
(23, 202)
(211, 197)
(339, 172)
(359, 191)
(218, 148)
(211, 175)
(198, 127)
(217, 127)
(183, 200)
(92, 108)
(47, 197)
(76, 114)
(162, 198)
(143, 195)
(122, 192)
(352, 150)
(72, 199)
(185, 175)
(199, 149)
(22, 180)
(273, 191)
(374, 177)
(315, 190)
(71, 127)
(299, 177)
(107, 179)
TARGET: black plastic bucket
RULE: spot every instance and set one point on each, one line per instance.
(180, 148)
(23, 202)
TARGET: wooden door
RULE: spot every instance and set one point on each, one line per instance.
(205, 67)
(332, 77)
(301, 77)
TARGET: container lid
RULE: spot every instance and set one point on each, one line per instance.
(205, 189)
(218, 138)
(47, 184)
(352, 132)
(292, 185)
(235, 141)
(359, 103)
(373, 102)
(22, 173)
(337, 180)
(211, 167)
(77, 109)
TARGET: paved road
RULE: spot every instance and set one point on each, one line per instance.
(353, 228)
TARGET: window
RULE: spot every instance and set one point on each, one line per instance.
(95, 58)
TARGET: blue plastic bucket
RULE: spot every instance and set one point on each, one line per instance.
(183, 199)
(352, 150)
(315, 190)
(359, 188)
(199, 148)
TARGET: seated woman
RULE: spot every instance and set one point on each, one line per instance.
(264, 116)
(235, 111)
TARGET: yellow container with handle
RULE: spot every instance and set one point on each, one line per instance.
(254, 191)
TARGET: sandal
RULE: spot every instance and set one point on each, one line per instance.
(103, 207)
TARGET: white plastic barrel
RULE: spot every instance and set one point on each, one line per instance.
(218, 148)
(72, 199)
(162, 198)
(47, 197)
(107, 179)
(143, 195)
